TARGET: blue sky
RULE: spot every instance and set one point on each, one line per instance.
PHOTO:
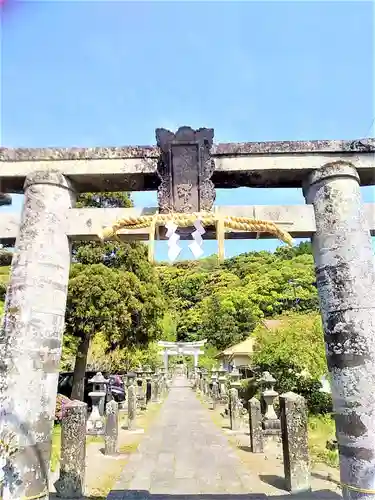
(108, 73)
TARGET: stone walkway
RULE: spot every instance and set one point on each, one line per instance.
(184, 455)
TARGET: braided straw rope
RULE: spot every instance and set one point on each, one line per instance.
(206, 218)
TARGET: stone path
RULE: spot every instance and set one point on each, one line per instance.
(185, 455)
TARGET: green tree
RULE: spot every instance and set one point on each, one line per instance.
(228, 317)
(297, 344)
(131, 256)
(113, 302)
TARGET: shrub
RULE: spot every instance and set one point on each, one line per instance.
(5, 258)
(3, 290)
(290, 379)
(248, 389)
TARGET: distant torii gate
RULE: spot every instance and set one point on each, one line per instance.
(182, 348)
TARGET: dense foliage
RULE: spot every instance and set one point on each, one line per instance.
(119, 305)
(111, 293)
(225, 303)
(294, 354)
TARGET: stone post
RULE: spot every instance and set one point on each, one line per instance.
(255, 424)
(132, 407)
(30, 341)
(222, 380)
(111, 429)
(125, 386)
(234, 409)
(270, 421)
(293, 414)
(345, 272)
(156, 388)
(195, 361)
(166, 361)
(96, 421)
(71, 482)
(214, 394)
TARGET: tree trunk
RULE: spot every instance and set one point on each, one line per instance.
(78, 389)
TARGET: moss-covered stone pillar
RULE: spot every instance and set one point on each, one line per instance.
(345, 271)
(31, 337)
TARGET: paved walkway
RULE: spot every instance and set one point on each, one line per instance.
(184, 455)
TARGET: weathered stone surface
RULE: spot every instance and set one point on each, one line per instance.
(30, 340)
(111, 429)
(73, 451)
(231, 148)
(295, 442)
(234, 409)
(156, 389)
(214, 394)
(132, 407)
(185, 169)
(141, 394)
(255, 425)
(183, 455)
(260, 164)
(86, 223)
(345, 270)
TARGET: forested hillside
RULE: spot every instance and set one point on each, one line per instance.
(118, 297)
(224, 303)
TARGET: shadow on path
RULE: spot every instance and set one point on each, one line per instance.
(145, 495)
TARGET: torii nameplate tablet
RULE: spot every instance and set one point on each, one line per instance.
(185, 169)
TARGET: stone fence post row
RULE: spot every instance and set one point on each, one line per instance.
(294, 435)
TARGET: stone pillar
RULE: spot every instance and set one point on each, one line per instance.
(234, 409)
(132, 407)
(214, 394)
(166, 361)
(255, 424)
(71, 482)
(195, 361)
(111, 429)
(156, 388)
(293, 414)
(30, 342)
(345, 272)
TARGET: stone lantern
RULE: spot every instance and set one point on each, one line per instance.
(141, 393)
(235, 377)
(222, 380)
(204, 381)
(214, 374)
(96, 420)
(270, 420)
(130, 378)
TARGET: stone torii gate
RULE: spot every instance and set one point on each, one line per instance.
(186, 167)
(183, 349)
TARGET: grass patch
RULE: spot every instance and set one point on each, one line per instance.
(106, 484)
(321, 430)
(129, 448)
(56, 447)
(94, 439)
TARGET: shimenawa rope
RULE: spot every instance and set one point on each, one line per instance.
(222, 222)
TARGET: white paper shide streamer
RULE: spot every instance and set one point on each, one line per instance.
(196, 246)
(173, 248)
(173, 239)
